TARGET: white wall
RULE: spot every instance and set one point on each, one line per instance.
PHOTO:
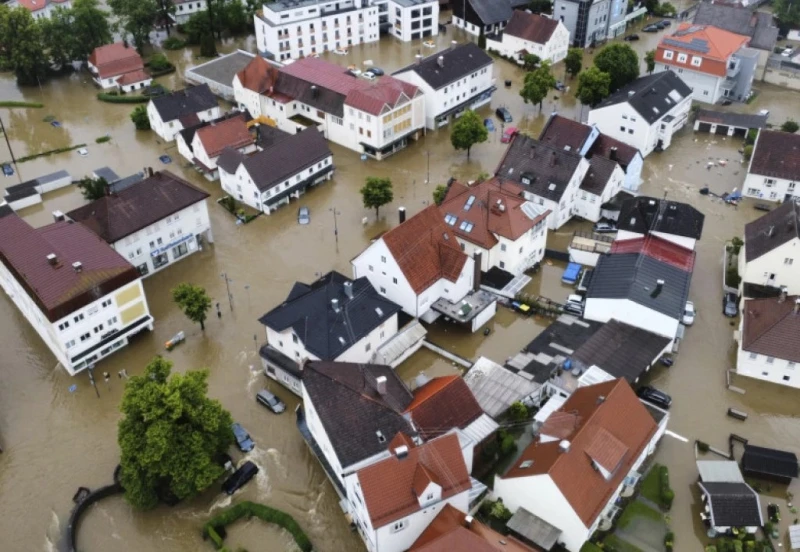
(554, 50)
(705, 88)
(412, 22)
(633, 174)
(561, 212)
(588, 204)
(382, 276)
(168, 130)
(183, 148)
(778, 263)
(186, 10)
(603, 310)
(246, 98)
(770, 188)
(364, 349)
(683, 241)
(512, 256)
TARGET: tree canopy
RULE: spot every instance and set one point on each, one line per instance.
(467, 131)
(620, 62)
(650, 61)
(790, 126)
(193, 301)
(93, 188)
(136, 18)
(376, 193)
(439, 193)
(787, 12)
(530, 62)
(171, 437)
(574, 61)
(537, 84)
(593, 86)
(140, 118)
(21, 46)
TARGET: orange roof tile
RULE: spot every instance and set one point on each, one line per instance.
(658, 249)
(258, 76)
(720, 45)
(610, 426)
(132, 77)
(442, 404)
(230, 133)
(115, 59)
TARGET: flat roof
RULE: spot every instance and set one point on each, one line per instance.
(534, 529)
(466, 309)
(741, 120)
(222, 69)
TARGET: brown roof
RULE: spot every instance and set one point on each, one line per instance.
(442, 404)
(561, 132)
(532, 27)
(58, 289)
(449, 532)
(115, 59)
(116, 216)
(134, 76)
(604, 424)
(258, 76)
(777, 154)
(597, 176)
(714, 45)
(232, 133)
(771, 327)
(425, 249)
(388, 485)
(603, 146)
(486, 215)
(774, 229)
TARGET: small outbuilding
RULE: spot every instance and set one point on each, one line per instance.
(772, 464)
(726, 123)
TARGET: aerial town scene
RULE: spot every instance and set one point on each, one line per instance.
(400, 275)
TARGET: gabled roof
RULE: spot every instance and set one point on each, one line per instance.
(758, 25)
(532, 27)
(188, 132)
(327, 331)
(442, 404)
(715, 46)
(659, 249)
(776, 154)
(644, 215)
(490, 11)
(742, 120)
(388, 485)
(772, 326)
(605, 145)
(116, 59)
(769, 462)
(259, 75)
(779, 226)
(185, 103)
(59, 289)
(605, 424)
(563, 133)
(597, 175)
(360, 422)
(456, 63)
(425, 249)
(133, 77)
(146, 202)
(228, 133)
(547, 169)
(733, 505)
(652, 96)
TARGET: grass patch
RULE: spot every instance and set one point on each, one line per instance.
(116, 98)
(637, 509)
(46, 153)
(103, 139)
(589, 546)
(613, 542)
(651, 486)
(9, 103)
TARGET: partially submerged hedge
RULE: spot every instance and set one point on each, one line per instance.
(117, 98)
(261, 511)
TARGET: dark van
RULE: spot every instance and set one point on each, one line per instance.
(240, 477)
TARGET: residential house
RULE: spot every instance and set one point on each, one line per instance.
(585, 454)
(332, 319)
(768, 348)
(394, 500)
(171, 113)
(118, 66)
(210, 139)
(40, 9)
(646, 113)
(676, 222)
(83, 298)
(493, 219)
(714, 63)
(771, 464)
(251, 85)
(286, 168)
(550, 176)
(484, 16)
(528, 33)
(452, 81)
(185, 9)
(185, 139)
(771, 245)
(774, 170)
(152, 222)
(728, 502)
(591, 21)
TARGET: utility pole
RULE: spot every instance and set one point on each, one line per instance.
(335, 226)
(91, 379)
(10, 151)
(228, 281)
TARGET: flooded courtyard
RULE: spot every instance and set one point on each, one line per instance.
(55, 441)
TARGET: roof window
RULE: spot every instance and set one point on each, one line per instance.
(470, 201)
(466, 226)
(450, 219)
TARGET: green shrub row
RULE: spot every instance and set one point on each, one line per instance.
(103, 139)
(667, 494)
(116, 98)
(9, 103)
(161, 72)
(261, 511)
(46, 153)
(173, 43)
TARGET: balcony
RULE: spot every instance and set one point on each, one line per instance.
(734, 66)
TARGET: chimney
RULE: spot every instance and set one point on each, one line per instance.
(468, 522)
(77, 266)
(613, 153)
(476, 275)
(782, 296)
(150, 171)
(401, 452)
(401, 213)
(335, 305)
(552, 158)
(380, 384)
(418, 58)
(631, 93)
(52, 260)
(454, 42)
(440, 61)
(314, 91)
(58, 216)
(563, 446)
(348, 289)
(601, 399)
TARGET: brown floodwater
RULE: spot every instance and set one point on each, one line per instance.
(55, 441)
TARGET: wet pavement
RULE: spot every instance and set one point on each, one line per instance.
(55, 441)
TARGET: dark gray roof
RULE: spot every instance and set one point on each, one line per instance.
(352, 411)
(181, 103)
(547, 169)
(650, 95)
(598, 174)
(318, 97)
(123, 183)
(457, 63)
(325, 332)
(494, 11)
(759, 26)
(645, 214)
(741, 120)
(223, 68)
(733, 505)
(107, 173)
(772, 230)
(770, 462)
(633, 276)
(533, 528)
(622, 350)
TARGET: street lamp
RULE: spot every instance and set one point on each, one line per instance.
(335, 224)
(228, 281)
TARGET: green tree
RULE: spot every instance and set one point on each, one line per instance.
(193, 301)
(93, 188)
(790, 126)
(140, 118)
(89, 28)
(136, 18)
(166, 10)
(650, 61)
(376, 193)
(236, 20)
(537, 84)
(593, 86)
(208, 47)
(482, 40)
(22, 46)
(620, 62)
(541, 6)
(467, 131)
(574, 61)
(787, 12)
(518, 412)
(57, 38)
(159, 62)
(196, 27)
(439, 193)
(171, 436)
(530, 62)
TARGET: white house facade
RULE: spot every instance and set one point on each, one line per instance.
(774, 170)
(771, 247)
(184, 9)
(604, 179)
(171, 113)
(409, 19)
(41, 9)
(528, 33)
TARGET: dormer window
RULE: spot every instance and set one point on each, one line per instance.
(381, 436)
(668, 54)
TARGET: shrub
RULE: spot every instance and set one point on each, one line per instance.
(790, 126)
(103, 139)
(667, 494)
(499, 511)
(518, 412)
(737, 244)
(669, 541)
(508, 445)
(113, 97)
(263, 512)
(140, 118)
(732, 277)
(702, 446)
(20, 104)
(747, 152)
(173, 43)
(159, 62)
(752, 134)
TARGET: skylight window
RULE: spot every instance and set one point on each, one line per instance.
(655, 109)
(551, 187)
(450, 219)
(526, 464)
(675, 95)
(379, 311)
(342, 341)
(466, 226)
(470, 201)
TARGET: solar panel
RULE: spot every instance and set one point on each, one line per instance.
(696, 44)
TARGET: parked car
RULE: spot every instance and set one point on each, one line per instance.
(730, 308)
(605, 227)
(243, 439)
(508, 134)
(369, 76)
(83, 152)
(651, 29)
(504, 114)
(787, 52)
(688, 314)
(303, 215)
(240, 477)
(575, 299)
(666, 361)
(573, 308)
(377, 71)
(631, 38)
(762, 207)
(8, 170)
(265, 398)
(489, 124)
(560, 86)
(664, 23)
(653, 395)
(725, 102)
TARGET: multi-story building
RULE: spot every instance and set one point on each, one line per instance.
(409, 19)
(771, 245)
(714, 63)
(452, 81)
(40, 9)
(774, 170)
(591, 21)
(151, 223)
(83, 298)
(184, 9)
(171, 113)
(676, 222)
(484, 16)
(528, 33)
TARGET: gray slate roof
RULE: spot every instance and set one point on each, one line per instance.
(223, 68)
(491, 11)
(326, 333)
(741, 120)
(733, 504)
(598, 175)
(769, 462)
(649, 95)
(759, 26)
(457, 63)
(633, 276)
(534, 529)
(189, 101)
(772, 230)
(645, 214)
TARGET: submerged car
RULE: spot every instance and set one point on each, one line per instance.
(303, 215)
(729, 306)
(654, 396)
(604, 228)
(651, 29)
(489, 124)
(508, 134)
(560, 86)
(265, 398)
(688, 314)
(504, 114)
(240, 477)
(631, 38)
(243, 440)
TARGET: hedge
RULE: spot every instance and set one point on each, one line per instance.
(168, 70)
(261, 511)
(116, 98)
(667, 494)
(46, 153)
(103, 139)
(10, 103)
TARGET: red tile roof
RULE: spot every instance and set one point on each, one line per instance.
(58, 289)
(115, 59)
(258, 76)
(605, 423)
(442, 404)
(425, 249)
(388, 485)
(230, 133)
(133, 77)
(721, 44)
(658, 249)
(771, 327)
(36, 5)
(531, 27)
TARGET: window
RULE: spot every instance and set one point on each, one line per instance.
(337, 120)
(502, 264)
(160, 260)
(399, 525)
(294, 338)
(143, 269)
(502, 247)
(85, 336)
(450, 219)
(370, 268)
(106, 303)
(788, 261)
(696, 61)
(790, 365)
(179, 251)
(70, 344)
(78, 318)
(368, 347)
(622, 128)
(112, 321)
(770, 360)
(630, 131)
(682, 58)
(98, 329)
(394, 281)
(785, 378)
(668, 54)
(383, 290)
(753, 356)
(383, 259)
(63, 326)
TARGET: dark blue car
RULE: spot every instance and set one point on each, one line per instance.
(243, 439)
(8, 170)
(489, 124)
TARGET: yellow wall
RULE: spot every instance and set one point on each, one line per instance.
(132, 313)
(128, 295)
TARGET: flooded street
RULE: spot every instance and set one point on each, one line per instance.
(55, 441)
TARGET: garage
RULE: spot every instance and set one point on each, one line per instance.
(722, 130)
(728, 123)
(703, 127)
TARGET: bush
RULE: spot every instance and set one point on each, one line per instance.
(103, 139)
(747, 152)
(46, 153)
(507, 445)
(140, 118)
(115, 98)
(518, 412)
(667, 494)
(173, 43)
(669, 541)
(702, 446)
(499, 511)
(790, 126)
(732, 277)
(20, 104)
(264, 513)
(159, 62)
(228, 203)
(752, 134)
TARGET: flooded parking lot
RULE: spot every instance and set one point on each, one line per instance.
(55, 441)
